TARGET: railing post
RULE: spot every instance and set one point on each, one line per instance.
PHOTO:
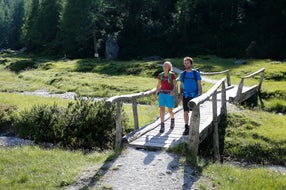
(228, 78)
(260, 81)
(223, 99)
(176, 95)
(239, 91)
(215, 127)
(194, 135)
(118, 125)
(135, 113)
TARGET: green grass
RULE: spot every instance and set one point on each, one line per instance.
(146, 114)
(251, 135)
(256, 136)
(24, 101)
(30, 167)
(84, 76)
(230, 177)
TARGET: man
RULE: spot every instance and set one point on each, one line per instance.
(190, 87)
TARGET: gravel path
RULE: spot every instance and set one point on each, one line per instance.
(13, 141)
(137, 169)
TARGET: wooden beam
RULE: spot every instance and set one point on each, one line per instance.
(215, 128)
(118, 126)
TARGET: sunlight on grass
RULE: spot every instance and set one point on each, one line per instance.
(27, 101)
(31, 167)
(231, 177)
(256, 136)
(147, 114)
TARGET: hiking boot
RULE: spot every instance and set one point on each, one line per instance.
(162, 129)
(172, 123)
(186, 131)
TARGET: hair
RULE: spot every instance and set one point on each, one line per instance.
(169, 64)
(189, 59)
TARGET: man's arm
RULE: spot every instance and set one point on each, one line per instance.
(200, 87)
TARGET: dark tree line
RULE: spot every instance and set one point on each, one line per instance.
(168, 28)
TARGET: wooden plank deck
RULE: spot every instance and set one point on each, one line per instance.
(153, 139)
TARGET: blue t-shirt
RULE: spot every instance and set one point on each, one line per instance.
(190, 85)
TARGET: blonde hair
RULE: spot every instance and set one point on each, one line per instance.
(169, 64)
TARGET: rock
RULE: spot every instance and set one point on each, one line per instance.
(111, 48)
(239, 62)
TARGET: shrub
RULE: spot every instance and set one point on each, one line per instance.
(89, 125)
(21, 66)
(83, 124)
(42, 123)
(6, 118)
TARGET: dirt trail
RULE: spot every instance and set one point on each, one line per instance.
(137, 169)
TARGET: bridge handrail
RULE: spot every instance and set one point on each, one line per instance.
(125, 98)
(227, 72)
(194, 134)
(240, 86)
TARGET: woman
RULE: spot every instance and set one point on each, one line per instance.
(165, 94)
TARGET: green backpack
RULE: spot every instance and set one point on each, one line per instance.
(170, 79)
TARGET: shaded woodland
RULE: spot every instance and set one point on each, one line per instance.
(142, 28)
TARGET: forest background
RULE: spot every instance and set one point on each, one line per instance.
(142, 28)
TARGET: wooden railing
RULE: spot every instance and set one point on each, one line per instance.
(242, 96)
(119, 101)
(194, 134)
(227, 72)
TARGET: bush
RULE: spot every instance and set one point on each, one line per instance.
(83, 124)
(41, 123)
(6, 118)
(21, 66)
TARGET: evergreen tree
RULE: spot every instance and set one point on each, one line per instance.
(16, 24)
(76, 33)
(32, 34)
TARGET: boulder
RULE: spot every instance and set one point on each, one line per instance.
(111, 48)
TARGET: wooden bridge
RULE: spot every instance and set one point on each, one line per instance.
(208, 109)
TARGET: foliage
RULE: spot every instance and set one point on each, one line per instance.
(83, 124)
(168, 28)
(21, 65)
(6, 118)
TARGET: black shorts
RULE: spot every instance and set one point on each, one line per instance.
(185, 103)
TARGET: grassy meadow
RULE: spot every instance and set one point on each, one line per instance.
(32, 167)
(256, 134)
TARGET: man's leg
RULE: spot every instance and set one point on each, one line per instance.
(187, 127)
(186, 115)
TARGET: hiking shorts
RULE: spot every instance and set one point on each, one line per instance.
(185, 103)
(166, 100)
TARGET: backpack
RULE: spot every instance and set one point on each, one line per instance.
(170, 79)
(195, 75)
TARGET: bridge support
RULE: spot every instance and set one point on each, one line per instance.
(194, 135)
